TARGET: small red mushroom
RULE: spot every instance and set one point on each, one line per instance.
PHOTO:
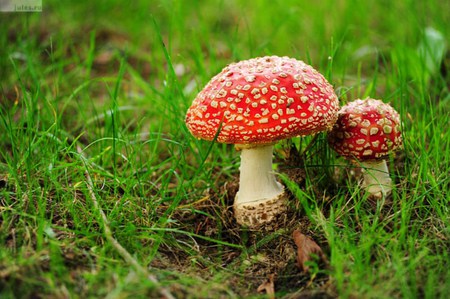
(252, 104)
(367, 131)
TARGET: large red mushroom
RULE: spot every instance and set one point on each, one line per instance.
(253, 104)
(368, 131)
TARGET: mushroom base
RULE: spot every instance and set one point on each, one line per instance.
(257, 213)
(376, 179)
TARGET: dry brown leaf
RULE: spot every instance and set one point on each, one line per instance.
(306, 249)
(268, 286)
(104, 57)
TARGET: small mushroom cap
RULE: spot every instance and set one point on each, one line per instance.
(366, 130)
(262, 100)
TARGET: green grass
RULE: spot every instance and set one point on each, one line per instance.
(104, 193)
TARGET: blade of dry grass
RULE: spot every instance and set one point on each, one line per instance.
(117, 246)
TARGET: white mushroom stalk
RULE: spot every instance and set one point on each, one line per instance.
(260, 197)
(376, 179)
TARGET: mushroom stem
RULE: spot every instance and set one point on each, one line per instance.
(376, 179)
(260, 197)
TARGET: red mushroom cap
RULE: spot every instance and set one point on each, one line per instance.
(263, 100)
(366, 130)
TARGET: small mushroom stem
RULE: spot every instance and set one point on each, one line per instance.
(260, 197)
(376, 179)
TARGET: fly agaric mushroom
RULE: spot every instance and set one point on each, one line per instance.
(253, 104)
(368, 130)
